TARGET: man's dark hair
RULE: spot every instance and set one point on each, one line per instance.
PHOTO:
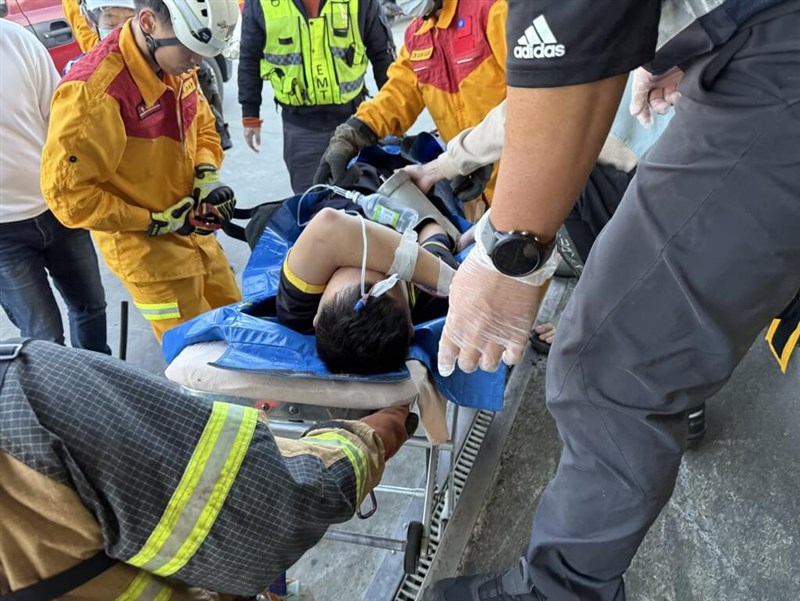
(157, 6)
(370, 341)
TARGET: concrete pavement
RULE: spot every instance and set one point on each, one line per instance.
(732, 529)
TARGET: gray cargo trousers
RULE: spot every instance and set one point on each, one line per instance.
(702, 253)
(302, 152)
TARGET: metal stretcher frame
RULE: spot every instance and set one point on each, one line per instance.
(291, 420)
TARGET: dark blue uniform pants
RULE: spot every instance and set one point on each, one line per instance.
(702, 253)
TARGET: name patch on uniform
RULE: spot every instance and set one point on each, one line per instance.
(145, 111)
(187, 87)
(422, 55)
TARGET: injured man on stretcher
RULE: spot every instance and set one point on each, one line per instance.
(334, 284)
(361, 286)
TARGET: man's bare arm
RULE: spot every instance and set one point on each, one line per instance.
(553, 137)
(333, 239)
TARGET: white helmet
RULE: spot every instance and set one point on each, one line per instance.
(204, 26)
(95, 4)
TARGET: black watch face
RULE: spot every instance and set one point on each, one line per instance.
(516, 255)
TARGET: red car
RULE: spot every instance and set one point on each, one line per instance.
(45, 18)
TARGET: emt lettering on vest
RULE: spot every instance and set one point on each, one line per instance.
(337, 53)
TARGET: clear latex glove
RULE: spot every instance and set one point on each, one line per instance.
(252, 137)
(489, 319)
(424, 176)
(654, 93)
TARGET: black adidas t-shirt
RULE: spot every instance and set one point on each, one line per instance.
(566, 42)
(297, 301)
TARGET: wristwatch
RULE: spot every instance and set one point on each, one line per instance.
(514, 254)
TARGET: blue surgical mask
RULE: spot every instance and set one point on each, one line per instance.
(416, 8)
(104, 33)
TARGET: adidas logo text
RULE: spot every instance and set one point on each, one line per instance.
(538, 41)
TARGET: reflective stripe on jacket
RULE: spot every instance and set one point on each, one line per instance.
(319, 61)
(96, 454)
(123, 143)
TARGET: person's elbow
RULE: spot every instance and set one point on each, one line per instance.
(67, 214)
(327, 223)
(59, 203)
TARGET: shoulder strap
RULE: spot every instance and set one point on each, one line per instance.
(68, 580)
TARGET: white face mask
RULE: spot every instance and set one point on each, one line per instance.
(416, 8)
(104, 33)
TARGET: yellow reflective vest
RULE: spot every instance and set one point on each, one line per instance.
(319, 61)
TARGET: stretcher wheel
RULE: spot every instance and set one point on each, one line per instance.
(413, 547)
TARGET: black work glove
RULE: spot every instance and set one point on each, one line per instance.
(348, 139)
(214, 201)
(469, 187)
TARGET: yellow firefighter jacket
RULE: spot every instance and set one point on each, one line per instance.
(453, 65)
(123, 143)
(86, 38)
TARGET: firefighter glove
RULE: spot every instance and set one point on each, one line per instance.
(214, 201)
(346, 142)
(175, 219)
(471, 186)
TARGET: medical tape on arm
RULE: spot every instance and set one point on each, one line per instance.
(405, 257)
(446, 274)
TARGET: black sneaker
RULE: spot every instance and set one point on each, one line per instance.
(697, 425)
(514, 585)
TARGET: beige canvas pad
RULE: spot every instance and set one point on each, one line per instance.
(192, 369)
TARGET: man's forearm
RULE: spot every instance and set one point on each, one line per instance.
(333, 239)
(382, 243)
(552, 140)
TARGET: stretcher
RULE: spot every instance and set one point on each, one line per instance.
(240, 354)
(293, 404)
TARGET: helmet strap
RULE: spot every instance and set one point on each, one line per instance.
(153, 45)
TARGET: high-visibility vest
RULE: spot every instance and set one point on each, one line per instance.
(319, 61)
